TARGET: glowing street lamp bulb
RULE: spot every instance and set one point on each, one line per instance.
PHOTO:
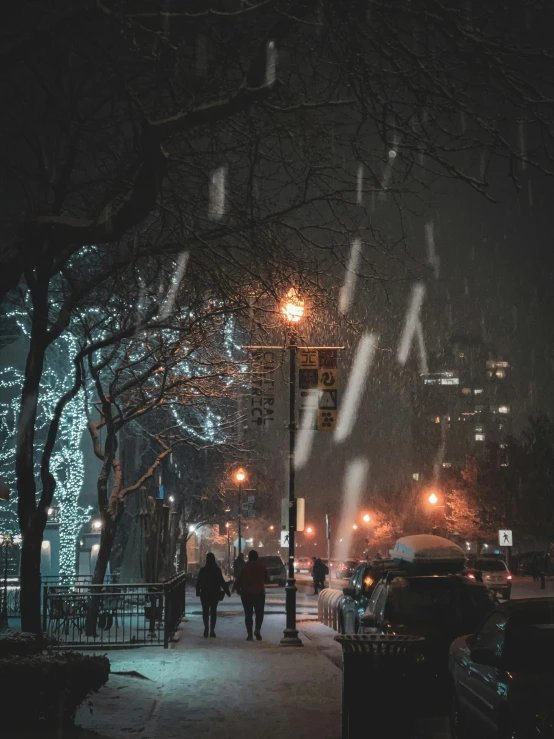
(367, 518)
(293, 307)
(272, 528)
(97, 524)
(309, 530)
(227, 525)
(240, 475)
(355, 526)
(433, 499)
(171, 499)
(50, 511)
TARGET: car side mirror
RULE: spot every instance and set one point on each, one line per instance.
(484, 657)
(349, 590)
(369, 620)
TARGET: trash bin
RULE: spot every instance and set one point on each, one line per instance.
(378, 685)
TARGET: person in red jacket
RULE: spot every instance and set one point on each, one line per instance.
(250, 585)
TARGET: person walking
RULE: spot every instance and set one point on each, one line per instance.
(238, 564)
(210, 588)
(319, 571)
(250, 585)
(535, 568)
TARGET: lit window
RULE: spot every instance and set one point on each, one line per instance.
(478, 391)
(501, 373)
(479, 437)
(430, 381)
(437, 420)
(504, 464)
(503, 408)
(489, 374)
(415, 476)
(461, 355)
(447, 464)
(479, 429)
(450, 381)
(466, 391)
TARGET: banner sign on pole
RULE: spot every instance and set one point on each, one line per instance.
(318, 371)
(262, 396)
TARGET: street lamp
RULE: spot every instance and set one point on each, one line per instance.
(292, 310)
(97, 524)
(355, 526)
(433, 499)
(240, 477)
(367, 518)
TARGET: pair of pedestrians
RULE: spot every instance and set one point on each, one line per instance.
(249, 584)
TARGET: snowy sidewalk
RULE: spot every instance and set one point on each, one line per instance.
(217, 688)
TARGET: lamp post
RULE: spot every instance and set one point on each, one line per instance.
(228, 527)
(240, 477)
(439, 511)
(292, 310)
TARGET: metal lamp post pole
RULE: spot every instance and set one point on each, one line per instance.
(4, 612)
(239, 518)
(290, 637)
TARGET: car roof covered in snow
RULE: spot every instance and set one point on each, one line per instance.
(425, 547)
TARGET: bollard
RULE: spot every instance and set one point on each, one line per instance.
(378, 679)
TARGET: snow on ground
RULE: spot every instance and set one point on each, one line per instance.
(214, 688)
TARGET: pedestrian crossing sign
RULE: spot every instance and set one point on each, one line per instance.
(505, 538)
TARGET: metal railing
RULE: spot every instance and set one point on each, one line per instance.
(85, 615)
(328, 607)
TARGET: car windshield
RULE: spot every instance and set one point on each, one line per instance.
(271, 561)
(490, 565)
(529, 645)
(350, 563)
(441, 603)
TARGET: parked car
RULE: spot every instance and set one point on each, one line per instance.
(503, 674)
(437, 607)
(357, 593)
(276, 568)
(303, 564)
(496, 576)
(345, 569)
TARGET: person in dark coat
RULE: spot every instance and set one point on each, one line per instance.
(210, 588)
(250, 585)
(318, 573)
(535, 568)
(238, 564)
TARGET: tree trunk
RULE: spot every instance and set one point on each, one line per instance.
(31, 520)
(107, 537)
(30, 581)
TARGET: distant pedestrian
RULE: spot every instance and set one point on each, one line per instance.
(250, 585)
(238, 564)
(535, 568)
(210, 588)
(544, 569)
(318, 574)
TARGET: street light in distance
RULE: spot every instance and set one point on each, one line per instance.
(367, 518)
(240, 475)
(433, 499)
(293, 307)
(309, 530)
(355, 526)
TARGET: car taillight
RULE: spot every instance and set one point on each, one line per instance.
(509, 577)
(471, 577)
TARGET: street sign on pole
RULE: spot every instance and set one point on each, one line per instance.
(505, 538)
(284, 538)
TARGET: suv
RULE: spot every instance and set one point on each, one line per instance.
(276, 568)
(496, 576)
(357, 593)
(437, 607)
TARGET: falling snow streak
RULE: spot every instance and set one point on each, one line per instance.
(432, 257)
(360, 185)
(355, 387)
(305, 436)
(169, 301)
(346, 296)
(217, 195)
(354, 481)
(413, 329)
(271, 64)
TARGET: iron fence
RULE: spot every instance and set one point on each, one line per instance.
(85, 615)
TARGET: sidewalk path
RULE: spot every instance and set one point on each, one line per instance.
(223, 687)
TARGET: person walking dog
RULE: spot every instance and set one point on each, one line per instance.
(210, 588)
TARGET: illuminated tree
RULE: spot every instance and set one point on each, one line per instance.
(66, 463)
